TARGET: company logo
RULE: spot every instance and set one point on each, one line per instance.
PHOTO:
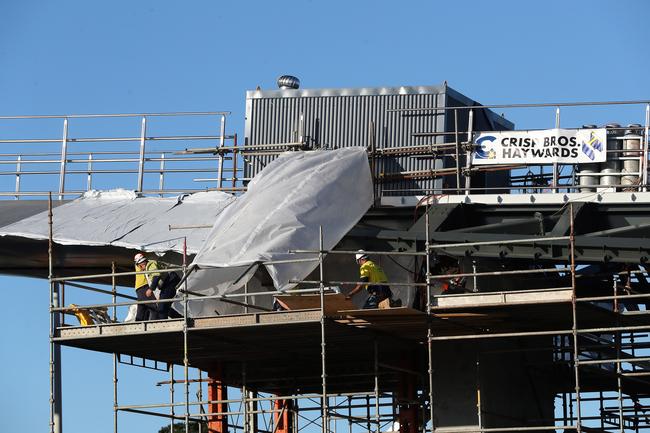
(591, 146)
(482, 151)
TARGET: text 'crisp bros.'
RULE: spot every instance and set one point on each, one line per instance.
(565, 146)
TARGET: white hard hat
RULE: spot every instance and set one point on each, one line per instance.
(139, 258)
(361, 254)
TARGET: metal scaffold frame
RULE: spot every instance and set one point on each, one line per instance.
(221, 407)
(629, 342)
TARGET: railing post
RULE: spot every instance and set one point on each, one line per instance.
(644, 165)
(235, 155)
(64, 158)
(18, 168)
(143, 139)
(222, 139)
(468, 162)
(161, 184)
(89, 182)
(556, 185)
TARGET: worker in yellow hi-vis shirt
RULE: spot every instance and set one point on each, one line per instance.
(166, 282)
(373, 279)
(143, 291)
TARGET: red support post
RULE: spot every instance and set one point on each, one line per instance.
(217, 390)
(282, 416)
(408, 406)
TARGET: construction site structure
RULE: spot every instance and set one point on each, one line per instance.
(527, 285)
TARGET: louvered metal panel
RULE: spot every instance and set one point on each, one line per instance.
(335, 118)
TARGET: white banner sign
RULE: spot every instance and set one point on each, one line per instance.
(564, 146)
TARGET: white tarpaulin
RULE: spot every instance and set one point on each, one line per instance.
(123, 219)
(282, 210)
(564, 146)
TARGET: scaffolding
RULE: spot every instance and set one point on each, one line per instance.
(599, 353)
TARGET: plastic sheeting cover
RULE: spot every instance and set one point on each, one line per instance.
(282, 210)
(121, 218)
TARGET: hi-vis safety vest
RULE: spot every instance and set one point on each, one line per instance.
(374, 273)
(145, 279)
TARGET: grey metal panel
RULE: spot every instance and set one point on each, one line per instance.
(335, 118)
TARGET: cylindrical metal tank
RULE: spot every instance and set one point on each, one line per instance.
(588, 183)
(631, 161)
(613, 163)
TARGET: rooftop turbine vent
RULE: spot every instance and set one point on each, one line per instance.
(288, 82)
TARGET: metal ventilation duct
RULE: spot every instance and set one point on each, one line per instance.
(288, 82)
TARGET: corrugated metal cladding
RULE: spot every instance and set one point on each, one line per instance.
(335, 118)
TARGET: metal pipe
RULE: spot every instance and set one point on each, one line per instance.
(554, 167)
(618, 360)
(379, 253)
(92, 116)
(56, 413)
(644, 166)
(468, 154)
(233, 412)
(90, 172)
(115, 403)
(18, 167)
(457, 151)
(505, 242)
(64, 156)
(244, 402)
(376, 381)
(574, 318)
(186, 361)
(479, 410)
(609, 298)
(273, 293)
(618, 355)
(500, 335)
(143, 139)
(429, 321)
(106, 292)
(171, 397)
(104, 160)
(221, 144)
(538, 105)
(117, 274)
(107, 171)
(324, 398)
(161, 182)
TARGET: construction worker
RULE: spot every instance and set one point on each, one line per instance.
(145, 287)
(372, 277)
(143, 292)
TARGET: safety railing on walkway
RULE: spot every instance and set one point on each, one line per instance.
(145, 152)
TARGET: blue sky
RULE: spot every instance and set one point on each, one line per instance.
(154, 56)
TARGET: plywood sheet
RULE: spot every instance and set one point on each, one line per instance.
(388, 312)
(334, 302)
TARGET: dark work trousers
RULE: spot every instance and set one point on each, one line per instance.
(145, 311)
(376, 295)
(168, 291)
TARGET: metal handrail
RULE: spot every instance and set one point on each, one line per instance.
(136, 158)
